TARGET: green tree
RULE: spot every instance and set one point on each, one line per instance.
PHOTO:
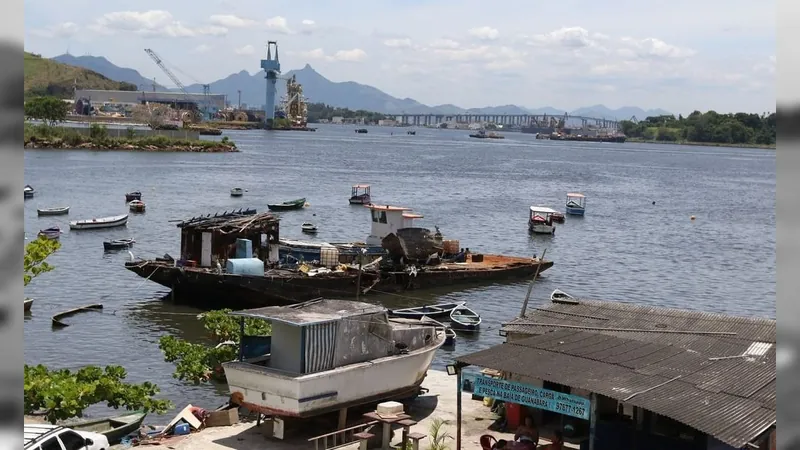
(202, 362)
(36, 252)
(62, 394)
(48, 109)
(708, 127)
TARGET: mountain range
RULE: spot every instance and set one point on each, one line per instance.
(347, 94)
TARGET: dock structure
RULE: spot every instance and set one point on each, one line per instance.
(502, 119)
(625, 375)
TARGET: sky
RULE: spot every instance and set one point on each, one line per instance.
(680, 55)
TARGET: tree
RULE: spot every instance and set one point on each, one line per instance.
(63, 394)
(154, 115)
(48, 109)
(35, 254)
(200, 362)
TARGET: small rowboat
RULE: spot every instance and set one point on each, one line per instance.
(135, 195)
(103, 222)
(558, 217)
(237, 192)
(560, 295)
(118, 244)
(28, 303)
(309, 227)
(57, 318)
(136, 206)
(28, 191)
(450, 335)
(287, 206)
(53, 211)
(432, 311)
(464, 319)
(113, 428)
(51, 233)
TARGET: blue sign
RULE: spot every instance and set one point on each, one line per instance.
(523, 394)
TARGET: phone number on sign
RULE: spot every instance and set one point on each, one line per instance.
(571, 410)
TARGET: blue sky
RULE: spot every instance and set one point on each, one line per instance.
(680, 55)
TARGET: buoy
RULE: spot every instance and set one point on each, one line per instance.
(692, 217)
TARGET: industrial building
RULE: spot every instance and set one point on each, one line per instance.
(179, 100)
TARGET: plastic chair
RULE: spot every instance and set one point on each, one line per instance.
(487, 441)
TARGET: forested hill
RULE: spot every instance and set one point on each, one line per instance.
(709, 127)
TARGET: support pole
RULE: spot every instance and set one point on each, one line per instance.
(241, 337)
(530, 286)
(592, 420)
(458, 409)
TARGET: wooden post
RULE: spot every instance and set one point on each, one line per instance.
(358, 283)
(241, 338)
(342, 418)
(530, 287)
(592, 420)
(458, 409)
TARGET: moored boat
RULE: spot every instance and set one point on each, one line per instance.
(558, 217)
(309, 228)
(288, 205)
(237, 192)
(464, 319)
(103, 222)
(27, 305)
(135, 195)
(432, 311)
(450, 334)
(361, 131)
(481, 134)
(360, 195)
(53, 211)
(118, 244)
(28, 191)
(558, 294)
(576, 204)
(113, 428)
(308, 375)
(541, 220)
(51, 233)
(136, 206)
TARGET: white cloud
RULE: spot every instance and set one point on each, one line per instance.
(484, 33)
(245, 51)
(767, 66)
(231, 21)
(151, 24)
(570, 37)
(62, 30)
(308, 22)
(202, 48)
(398, 43)
(354, 55)
(278, 24)
(656, 48)
(444, 43)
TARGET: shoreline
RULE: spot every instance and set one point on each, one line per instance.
(702, 144)
(55, 144)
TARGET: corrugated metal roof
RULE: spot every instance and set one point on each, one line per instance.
(732, 399)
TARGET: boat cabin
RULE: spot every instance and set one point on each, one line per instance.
(360, 194)
(576, 200)
(541, 220)
(324, 354)
(208, 240)
(388, 219)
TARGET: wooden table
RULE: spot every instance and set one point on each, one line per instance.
(387, 426)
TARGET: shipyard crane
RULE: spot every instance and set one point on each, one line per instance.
(206, 88)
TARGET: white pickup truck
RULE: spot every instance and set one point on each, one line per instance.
(54, 437)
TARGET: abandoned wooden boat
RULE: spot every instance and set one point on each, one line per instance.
(52, 211)
(464, 319)
(359, 195)
(558, 294)
(118, 244)
(450, 334)
(28, 191)
(71, 312)
(306, 374)
(576, 204)
(432, 311)
(237, 192)
(103, 222)
(136, 206)
(541, 220)
(308, 227)
(51, 233)
(113, 428)
(28, 304)
(287, 206)
(135, 195)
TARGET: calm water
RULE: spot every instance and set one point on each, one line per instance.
(625, 248)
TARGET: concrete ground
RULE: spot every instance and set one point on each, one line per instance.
(439, 402)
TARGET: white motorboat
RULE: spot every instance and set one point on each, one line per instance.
(309, 227)
(28, 191)
(325, 355)
(237, 192)
(541, 220)
(558, 294)
(102, 222)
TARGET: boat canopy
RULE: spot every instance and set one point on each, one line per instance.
(360, 186)
(311, 312)
(575, 195)
(543, 210)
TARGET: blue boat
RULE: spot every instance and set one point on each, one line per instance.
(576, 204)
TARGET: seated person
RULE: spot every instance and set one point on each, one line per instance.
(527, 432)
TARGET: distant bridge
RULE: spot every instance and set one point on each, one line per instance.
(544, 120)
